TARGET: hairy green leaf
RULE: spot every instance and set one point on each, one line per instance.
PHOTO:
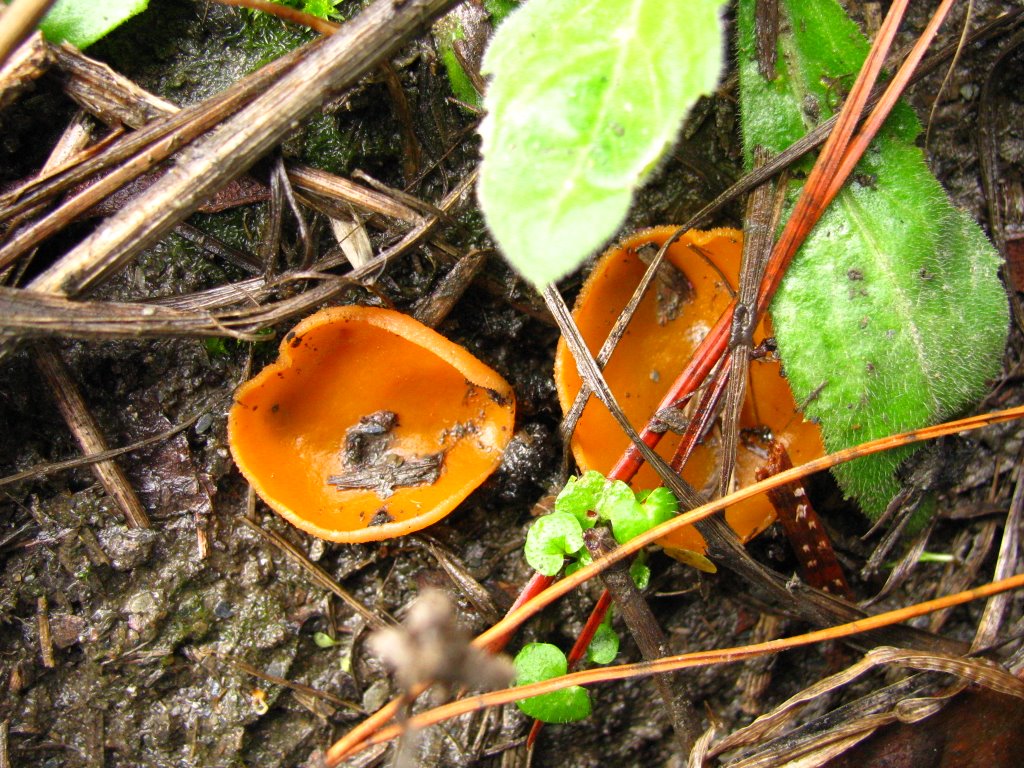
(659, 505)
(550, 539)
(892, 316)
(584, 100)
(542, 661)
(83, 22)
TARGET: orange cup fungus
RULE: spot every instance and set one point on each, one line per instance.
(658, 343)
(369, 425)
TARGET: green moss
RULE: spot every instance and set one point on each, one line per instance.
(191, 620)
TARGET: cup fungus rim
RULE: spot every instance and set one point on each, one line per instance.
(476, 373)
(564, 361)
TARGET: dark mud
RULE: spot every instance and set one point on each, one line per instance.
(155, 633)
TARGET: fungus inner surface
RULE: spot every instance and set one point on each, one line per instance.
(294, 428)
(658, 343)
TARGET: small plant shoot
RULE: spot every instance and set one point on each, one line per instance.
(585, 501)
(461, 24)
(580, 495)
(892, 316)
(582, 104)
(550, 540)
(543, 661)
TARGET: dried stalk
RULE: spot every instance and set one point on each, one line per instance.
(238, 142)
(88, 434)
(17, 22)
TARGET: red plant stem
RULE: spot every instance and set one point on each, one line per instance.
(874, 122)
(579, 648)
(829, 173)
(701, 422)
(707, 354)
(806, 533)
(604, 602)
(537, 584)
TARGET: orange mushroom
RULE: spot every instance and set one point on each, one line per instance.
(369, 425)
(656, 346)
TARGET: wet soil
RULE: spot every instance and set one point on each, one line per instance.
(164, 640)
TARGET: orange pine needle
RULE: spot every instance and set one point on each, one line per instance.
(360, 736)
(690, 660)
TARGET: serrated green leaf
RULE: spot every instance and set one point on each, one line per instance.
(892, 316)
(83, 22)
(604, 646)
(543, 661)
(584, 100)
(550, 539)
(579, 497)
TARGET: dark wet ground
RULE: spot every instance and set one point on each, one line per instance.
(155, 633)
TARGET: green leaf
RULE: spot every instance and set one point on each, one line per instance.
(659, 505)
(582, 559)
(618, 505)
(322, 9)
(83, 22)
(543, 661)
(499, 9)
(604, 647)
(579, 497)
(640, 572)
(892, 316)
(446, 36)
(323, 640)
(550, 539)
(584, 101)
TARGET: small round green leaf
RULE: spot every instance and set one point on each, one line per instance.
(660, 505)
(618, 505)
(550, 539)
(640, 573)
(323, 640)
(543, 661)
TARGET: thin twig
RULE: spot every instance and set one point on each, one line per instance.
(1006, 564)
(88, 434)
(41, 470)
(320, 576)
(643, 626)
(994, 677)
(45, 638)
(239, 141)
(525, 607)
(758, 229)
